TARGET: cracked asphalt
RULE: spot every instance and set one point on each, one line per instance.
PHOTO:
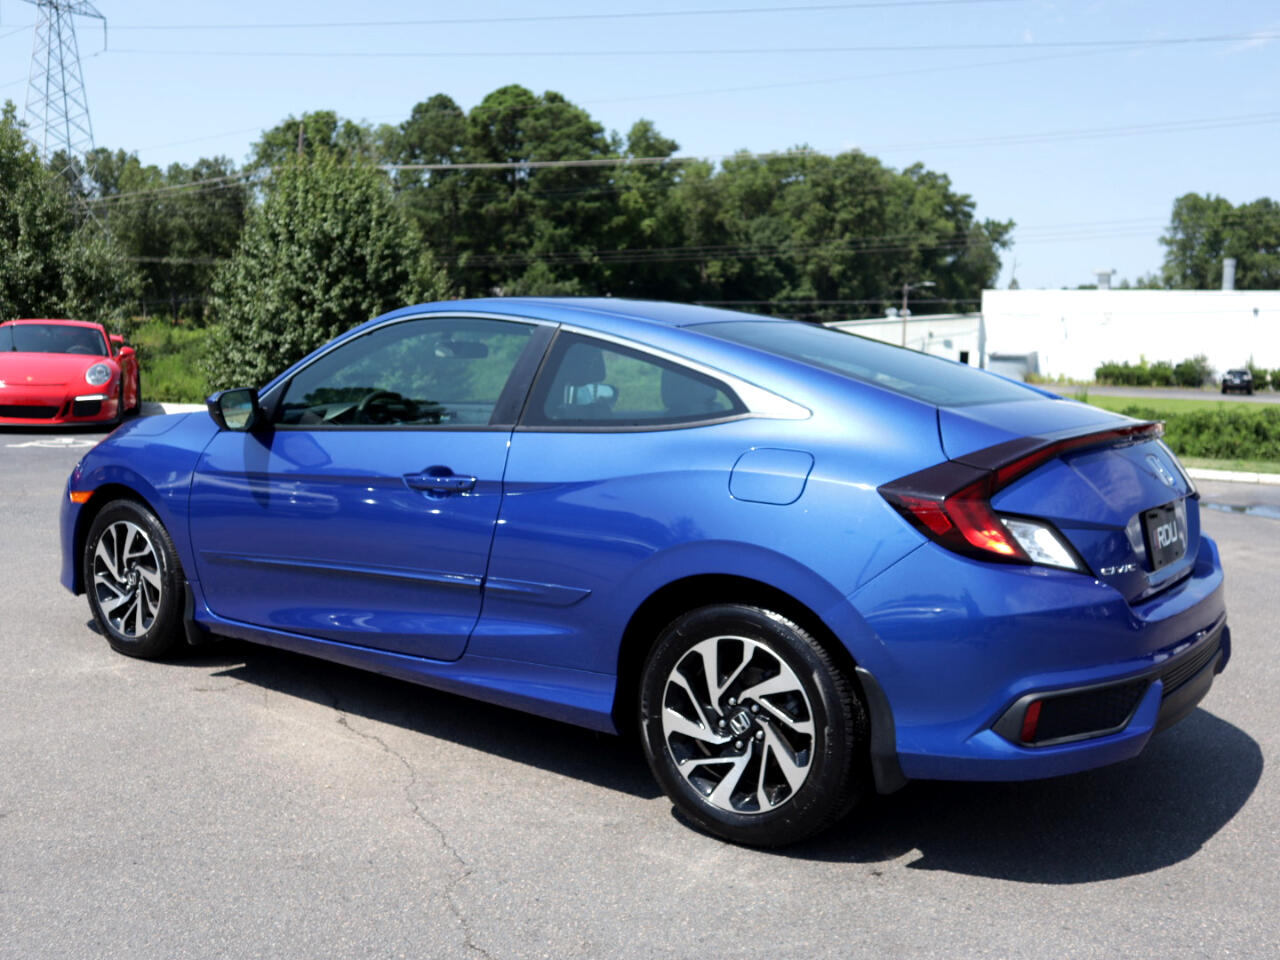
(246, 802)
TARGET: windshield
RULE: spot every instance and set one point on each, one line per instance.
(51, 338)
(931, 379)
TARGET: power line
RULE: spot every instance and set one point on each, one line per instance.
(553, 18)
(885, 75)
(716, 51)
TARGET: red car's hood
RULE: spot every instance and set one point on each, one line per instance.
(45, 369)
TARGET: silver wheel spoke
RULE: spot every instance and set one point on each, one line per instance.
(709, 651)
(722, 795)
(676, 722)
(786, 760)
(683, 684)
(799, 726)
(108, 561)
(152, 578)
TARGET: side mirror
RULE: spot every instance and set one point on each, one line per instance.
(235, 409)
(117, 343)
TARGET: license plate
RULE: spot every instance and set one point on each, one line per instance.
(1166, 537)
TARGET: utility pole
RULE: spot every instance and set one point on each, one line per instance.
(57, 111)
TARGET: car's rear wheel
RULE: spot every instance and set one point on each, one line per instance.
(134, 581)
(750, 728)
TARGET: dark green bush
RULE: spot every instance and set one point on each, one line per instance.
(1195, 372)
(1246, 433)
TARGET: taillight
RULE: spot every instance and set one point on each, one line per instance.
(951, 503)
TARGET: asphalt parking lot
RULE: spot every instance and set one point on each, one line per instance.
(251, 803)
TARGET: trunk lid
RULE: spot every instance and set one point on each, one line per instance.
(1099, 497)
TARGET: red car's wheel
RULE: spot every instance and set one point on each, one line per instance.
(136, 408)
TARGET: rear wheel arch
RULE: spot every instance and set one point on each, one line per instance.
(682, 596)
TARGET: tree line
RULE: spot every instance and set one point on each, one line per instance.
(330, 221)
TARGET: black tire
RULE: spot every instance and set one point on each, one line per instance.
(751, 646)
(137, 395)
(135, 582)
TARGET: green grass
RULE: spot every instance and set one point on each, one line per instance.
(1170, 406)
(168, 359)
(1248, 466)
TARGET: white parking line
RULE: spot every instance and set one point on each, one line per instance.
(59, 442)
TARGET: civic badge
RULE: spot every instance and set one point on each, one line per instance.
(1160, 470)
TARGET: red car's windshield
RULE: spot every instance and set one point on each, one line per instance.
(51, 338)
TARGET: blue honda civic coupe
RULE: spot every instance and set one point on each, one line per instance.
(803, 566)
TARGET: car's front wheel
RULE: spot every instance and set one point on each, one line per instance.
(750, 728)
(134, 581)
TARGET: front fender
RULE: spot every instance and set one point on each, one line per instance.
(151, 459)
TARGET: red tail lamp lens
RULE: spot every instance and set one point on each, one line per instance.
(1030, 720)
(951, 501)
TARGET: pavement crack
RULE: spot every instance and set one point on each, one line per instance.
(463, 869)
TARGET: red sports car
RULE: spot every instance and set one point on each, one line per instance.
(65, 371)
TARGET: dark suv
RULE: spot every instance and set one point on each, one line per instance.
(1237, 380)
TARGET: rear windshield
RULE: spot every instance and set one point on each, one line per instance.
(51, 338)
(931, 379)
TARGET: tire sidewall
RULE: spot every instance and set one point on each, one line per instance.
(161, 637)
(825, 793)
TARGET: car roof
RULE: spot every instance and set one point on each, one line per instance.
(59, 322)
(586, 309)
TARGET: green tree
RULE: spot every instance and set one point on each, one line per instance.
(315, 132)
(176, 225)
(53, 260)
(1204, 230)
(328, 248)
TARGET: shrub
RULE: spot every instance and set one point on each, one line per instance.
(1222, 434)
(1195, 372)
(1275, 379)
(169, 360)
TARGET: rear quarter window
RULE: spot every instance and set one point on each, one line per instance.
(931, 379)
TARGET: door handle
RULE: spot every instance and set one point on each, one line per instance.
(440, 481)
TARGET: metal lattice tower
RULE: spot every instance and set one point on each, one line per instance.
(57, 111)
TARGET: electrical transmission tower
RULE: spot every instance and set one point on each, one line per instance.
(57, 111)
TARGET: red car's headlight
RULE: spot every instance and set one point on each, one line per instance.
(97, 375)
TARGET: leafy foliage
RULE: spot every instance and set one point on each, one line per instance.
(176, 236)
(54, 261)
(1193, 372)
(328, 248)
(1204, 230)
(1252, 434)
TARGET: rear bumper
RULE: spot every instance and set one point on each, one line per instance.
(959, 671)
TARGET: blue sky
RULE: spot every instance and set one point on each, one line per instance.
(1085, 147)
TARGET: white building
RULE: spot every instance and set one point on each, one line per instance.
(956, 336)
(1070, 332)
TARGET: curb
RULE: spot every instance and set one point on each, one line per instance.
(1233, 476)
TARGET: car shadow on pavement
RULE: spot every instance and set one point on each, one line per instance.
(1118, 821)
(597, 758)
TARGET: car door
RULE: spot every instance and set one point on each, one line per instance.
(620, 454)
(363, 512)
